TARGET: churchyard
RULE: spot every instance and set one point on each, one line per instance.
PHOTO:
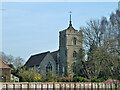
(68, 68)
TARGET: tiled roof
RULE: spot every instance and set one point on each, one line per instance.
(35, 60)
(3, 65)
(54, 54)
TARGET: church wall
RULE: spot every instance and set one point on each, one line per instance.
(63, 53)
(57, 63)
(67, 48)
(71, 48)
(66, 51)
(48, 58)
(74, 34)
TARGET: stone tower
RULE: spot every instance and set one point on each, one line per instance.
(70, 42)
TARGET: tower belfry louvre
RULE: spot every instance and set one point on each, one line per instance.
(61, 61)
(70, 42)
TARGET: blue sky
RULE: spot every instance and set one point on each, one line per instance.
(29, 28)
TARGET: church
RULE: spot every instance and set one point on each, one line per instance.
(61, 61)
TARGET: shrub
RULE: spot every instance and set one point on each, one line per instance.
(80, 79)
(29, 76)
(95, 80)
(43, 79)
(53, 78)
(102, 79)
(106, 77)
(111, 81)
(119, 77)
(66, 79)
(37, 77)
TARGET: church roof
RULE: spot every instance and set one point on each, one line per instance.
(54, 54)
(35, 60)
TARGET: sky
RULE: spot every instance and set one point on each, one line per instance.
(30, 28)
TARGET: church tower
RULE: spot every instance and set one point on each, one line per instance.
(70, 42)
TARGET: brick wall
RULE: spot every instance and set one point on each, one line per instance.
(5, 75)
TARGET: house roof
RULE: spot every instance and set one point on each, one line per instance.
(3, 65)
(35, 60)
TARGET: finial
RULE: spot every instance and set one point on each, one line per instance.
(70, 19)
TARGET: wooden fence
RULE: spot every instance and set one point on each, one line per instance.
(59, 86)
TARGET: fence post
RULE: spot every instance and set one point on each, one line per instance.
(95, 86)
(60, 87)
(88, 86)
(70, 86)
(65, 86)
(102, 86)
(105, 87)
(47, 86)
(35, 86)
(74, 86)
(98, 86)
(53, 86)
(116, 86)
(6, 86)
(119, 85)
(91, 86)
(20, 86)
(41, 86)
(28, 86)
(84, 86)
(111, 86)
(80, 86)
(13, 86)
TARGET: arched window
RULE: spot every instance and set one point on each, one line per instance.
(74, 41)
(48, 68)
(74, 54)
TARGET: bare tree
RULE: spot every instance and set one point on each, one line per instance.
(102, 40)
(10, 60)
(18, 62)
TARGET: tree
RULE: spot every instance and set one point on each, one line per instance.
(14, 71)
(101, 38)
(18, 62)
(10, 60)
